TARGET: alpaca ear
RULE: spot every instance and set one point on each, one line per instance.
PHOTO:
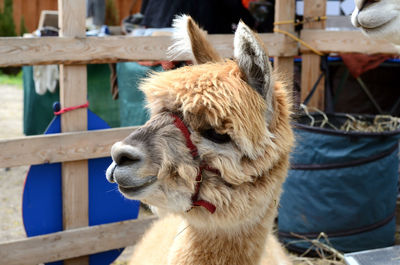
(253, 61)
(190, 39)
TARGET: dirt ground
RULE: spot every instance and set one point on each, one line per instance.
(12, 179)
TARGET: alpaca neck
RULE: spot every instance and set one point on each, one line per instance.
(211, 239)
(197, 246)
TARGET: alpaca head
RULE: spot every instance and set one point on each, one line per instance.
(378, 18)
(238, 119)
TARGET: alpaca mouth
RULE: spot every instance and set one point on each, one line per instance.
(375, 26)
(136, 190)
(373, 16)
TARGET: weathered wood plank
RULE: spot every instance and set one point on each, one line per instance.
(285, 10)
(310, 71)
(73, 243)
(310, 64)
(345, 42)
(73, 92)
(67, 50)
(72, 18)
(70, 50)
(52, 148)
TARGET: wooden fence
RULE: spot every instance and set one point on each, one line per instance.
(30, 10)
(72, 50)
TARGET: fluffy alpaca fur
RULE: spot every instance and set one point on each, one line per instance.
(239, 99)
(378, 19)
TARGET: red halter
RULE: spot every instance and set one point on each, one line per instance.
(195, 154)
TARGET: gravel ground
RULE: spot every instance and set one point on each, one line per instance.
(12, 179)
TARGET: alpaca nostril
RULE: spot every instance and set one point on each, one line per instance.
(124, 154)
(366, 3)
(125, 159)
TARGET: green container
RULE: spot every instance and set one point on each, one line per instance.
(38, 109)
(131, 99)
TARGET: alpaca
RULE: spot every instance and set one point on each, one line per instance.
(213, 156)
(378, 19)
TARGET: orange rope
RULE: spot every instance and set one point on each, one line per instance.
(299, 40)
(298, 22)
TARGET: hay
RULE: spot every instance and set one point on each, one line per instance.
(379, 124)
(327, 254)
(314, 261)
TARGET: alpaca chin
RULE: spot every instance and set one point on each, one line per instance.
(379, 20)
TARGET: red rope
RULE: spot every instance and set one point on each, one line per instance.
(193, 150)
(209, 206)
(61, 111)
(195, 198)
(181, 126)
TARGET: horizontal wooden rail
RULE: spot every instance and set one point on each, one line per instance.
(345, 42)
(67, 50)
(61, 147)
(73, 243)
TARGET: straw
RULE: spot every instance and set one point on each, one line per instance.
(327, 254)
(381, 123)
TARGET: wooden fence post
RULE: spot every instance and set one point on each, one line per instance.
(285, 10)
(73, 92)
(310, 64)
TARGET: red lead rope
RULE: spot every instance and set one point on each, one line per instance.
(193, 150)
(181, 126)
(86, 105)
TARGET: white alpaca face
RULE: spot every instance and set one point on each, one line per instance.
(378, 19)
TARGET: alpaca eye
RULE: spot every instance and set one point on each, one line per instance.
(212, 135)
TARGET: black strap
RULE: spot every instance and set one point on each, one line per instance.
(311, 93)
(349, 232)
(329, 108)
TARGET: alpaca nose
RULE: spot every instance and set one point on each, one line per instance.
(124, 159)
(125, 155)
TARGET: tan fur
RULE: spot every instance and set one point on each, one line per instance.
(253, 167)
(199, 43)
